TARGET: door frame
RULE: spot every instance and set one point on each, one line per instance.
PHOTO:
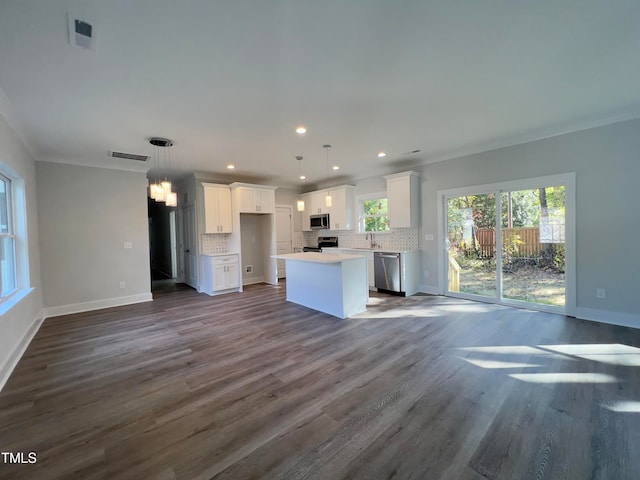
(183, 236)
(569, 182)
(291, 231)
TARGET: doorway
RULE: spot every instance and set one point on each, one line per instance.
(511, 243)
(162, 245)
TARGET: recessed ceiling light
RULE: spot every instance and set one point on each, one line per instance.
(302, 177)
(336, 167)
(382, 154)
(231, 166)
(301, 130)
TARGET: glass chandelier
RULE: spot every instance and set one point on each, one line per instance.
(160, 190)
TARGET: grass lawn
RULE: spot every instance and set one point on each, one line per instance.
(527, 283)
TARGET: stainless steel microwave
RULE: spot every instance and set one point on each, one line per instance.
(319, 222)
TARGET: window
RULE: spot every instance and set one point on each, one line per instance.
(374, 214)
(7, 240)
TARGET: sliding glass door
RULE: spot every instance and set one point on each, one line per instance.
(533, 245)
(471, 229)
(506, 243)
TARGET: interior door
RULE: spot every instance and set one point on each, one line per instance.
(284, 235)
(189, 247)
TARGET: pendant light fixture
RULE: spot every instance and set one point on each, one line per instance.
(155, 189)
(327, 200)
(300, 203)
(161, 191)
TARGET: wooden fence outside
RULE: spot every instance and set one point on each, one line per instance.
(523, 242)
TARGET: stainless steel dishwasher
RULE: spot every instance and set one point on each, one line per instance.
(388, 270)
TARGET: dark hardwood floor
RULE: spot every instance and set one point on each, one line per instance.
(247, 386)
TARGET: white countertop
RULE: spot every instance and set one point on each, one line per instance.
(317, 257)
(218, 254)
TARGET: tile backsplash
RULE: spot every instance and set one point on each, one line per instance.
(215, 243)
(398, 239)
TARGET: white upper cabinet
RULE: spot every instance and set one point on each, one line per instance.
(403, 197)
(341, 211)
(217, 208)
(255, 198)
(306, 224)
(318, 202)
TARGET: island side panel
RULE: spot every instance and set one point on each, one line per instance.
(355, 286)
(315, 285)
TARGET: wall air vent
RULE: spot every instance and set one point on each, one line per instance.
(81, 33)
(130, 156)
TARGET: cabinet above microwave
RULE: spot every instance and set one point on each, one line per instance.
(341, 210)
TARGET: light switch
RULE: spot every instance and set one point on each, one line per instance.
(428, 236)
(128, 245)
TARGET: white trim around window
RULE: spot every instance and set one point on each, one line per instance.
(361, 216)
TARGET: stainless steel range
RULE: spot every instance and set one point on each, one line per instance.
(322, 242)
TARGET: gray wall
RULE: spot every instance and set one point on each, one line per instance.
(606, 161)
(86, 215)
(16, 323)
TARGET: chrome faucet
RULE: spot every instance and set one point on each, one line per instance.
(372, 243)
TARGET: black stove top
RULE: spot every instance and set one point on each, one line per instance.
(322, 242)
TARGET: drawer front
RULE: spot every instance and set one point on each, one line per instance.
(225, 260)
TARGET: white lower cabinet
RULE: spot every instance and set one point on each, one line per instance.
(220, 274)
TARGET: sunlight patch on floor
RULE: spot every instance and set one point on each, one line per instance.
(564, 377)
(623, 407)
(609, 353)
(510, 350)
(498, 363)
(399, 313)
(466, 308)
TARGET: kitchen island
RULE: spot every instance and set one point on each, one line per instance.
(336, 284)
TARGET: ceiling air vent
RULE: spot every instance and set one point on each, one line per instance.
(130, 156)
(81, 33)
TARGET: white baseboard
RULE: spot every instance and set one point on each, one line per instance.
(97, 305)
(20, 348)
(612, 318)
(252, 280)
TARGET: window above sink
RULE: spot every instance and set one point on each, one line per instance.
(373, 213)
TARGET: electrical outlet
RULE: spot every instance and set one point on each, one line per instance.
(601, 293)
(428, 236)
(248, 269)
(128, 245)
(122, 284)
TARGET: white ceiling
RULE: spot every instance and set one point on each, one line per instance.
(228, 81)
